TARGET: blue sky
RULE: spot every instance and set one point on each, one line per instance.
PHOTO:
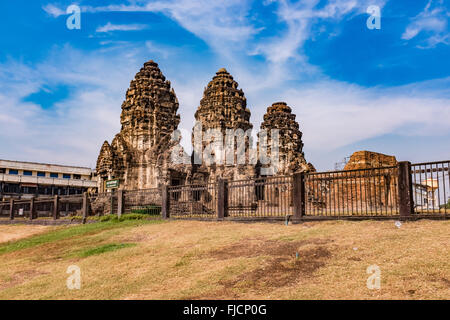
(351, 88)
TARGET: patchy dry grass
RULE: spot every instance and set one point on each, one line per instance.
(225, 260)
(17, 232)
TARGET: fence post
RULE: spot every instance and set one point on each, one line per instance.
(85, 207)
(11, 209)
(222, 198)
(299, 195)
(56, 208)
(119, 203)
(165, 209)
(405, 192)
(32, 209)
(111, 205)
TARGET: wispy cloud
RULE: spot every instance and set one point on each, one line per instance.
(299, 17)
(216, 22)
(109, 27)
(72, 131)
(54, 10)
(434, 20)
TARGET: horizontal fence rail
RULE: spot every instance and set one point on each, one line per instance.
(431, 187)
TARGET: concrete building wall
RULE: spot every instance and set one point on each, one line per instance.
(30, 179)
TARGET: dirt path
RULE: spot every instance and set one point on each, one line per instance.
(16, 232)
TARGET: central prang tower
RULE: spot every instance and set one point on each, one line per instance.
(223, 107)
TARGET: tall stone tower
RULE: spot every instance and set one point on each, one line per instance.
(139, 155)
(223, 107)
(291, 158)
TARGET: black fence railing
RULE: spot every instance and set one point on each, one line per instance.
(402, 191)
(193, 201)
(431, 187)
(260, 197)
(147, 201)
(364, 192)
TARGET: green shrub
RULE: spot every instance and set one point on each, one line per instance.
(152, 210)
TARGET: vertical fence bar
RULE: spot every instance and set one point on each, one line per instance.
(221, 198)
(11, 209)
(119, 203)
(406, 203)
(56, 207)
(85, 207)
(111, 202)
(445, 194)
(165, 207)
(225, 198)
(299, 195)
(32, 209)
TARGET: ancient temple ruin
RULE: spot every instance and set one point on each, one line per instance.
(291, 158)
(223, 108)
(140, 154)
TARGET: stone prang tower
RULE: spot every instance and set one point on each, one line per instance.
(291, 158)
(222, 108)
(139, 155)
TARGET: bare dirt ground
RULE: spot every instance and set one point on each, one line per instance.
(16, 232)
(226, 260)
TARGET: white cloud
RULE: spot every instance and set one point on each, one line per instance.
(73, 130)
(334, 114)
(299, 18)
(53, 10)
(434, 20)
(109, 27)
(220, 23)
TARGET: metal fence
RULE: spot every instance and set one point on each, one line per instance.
(102, 203)
(193, 201)
(431, 187)
(147, 201)
(68, 205)
(404, 190)
(21, 208)
(363, 192)
(260, 197)
(42, 207)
